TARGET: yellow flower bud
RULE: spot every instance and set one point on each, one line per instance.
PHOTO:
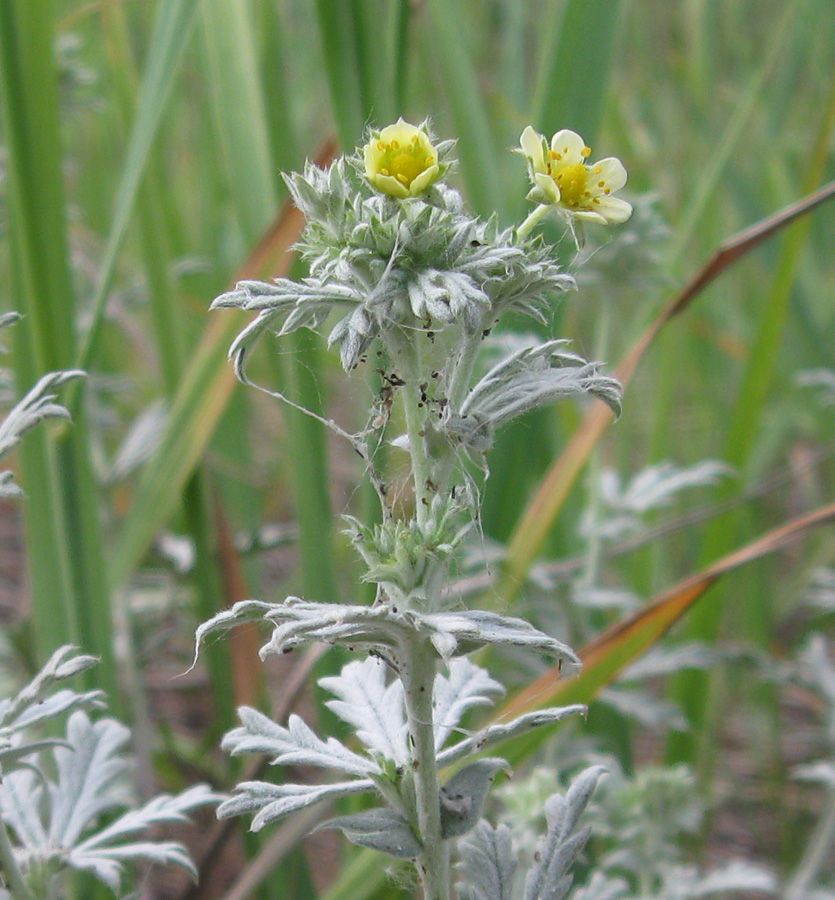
(401, 161)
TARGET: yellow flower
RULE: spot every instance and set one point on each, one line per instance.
(400, 160)
(562, 177)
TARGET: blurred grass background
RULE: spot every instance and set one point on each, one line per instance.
(141, 149)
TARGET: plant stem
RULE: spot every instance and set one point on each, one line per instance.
(418, 677)
(12, 873)
(532, 221)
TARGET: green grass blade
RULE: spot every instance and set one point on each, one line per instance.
(239, 113)
(65, 546)
(168, 40)
(337, 29)
(579, 37)
(476, 150)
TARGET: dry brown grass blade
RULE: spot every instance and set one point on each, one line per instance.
(536, 521)
(608, 654)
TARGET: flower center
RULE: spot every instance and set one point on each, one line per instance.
(571, 180)
(404, 163)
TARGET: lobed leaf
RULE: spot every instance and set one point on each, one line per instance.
(487, 864)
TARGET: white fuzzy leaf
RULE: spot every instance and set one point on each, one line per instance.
(468, 630)
(295, 744)
(21, 793)
(381, 829)
(462, 797)
(502, 731)
(36, 406)
(487, 864)
(88, 774)
(374, 709)
(104, 855)
(556, 851)
(272, 801)
(466, 686)
(737, 875)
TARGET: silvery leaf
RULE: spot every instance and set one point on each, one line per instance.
(556, 851)
(297, 621)
(822, 772)
(50, 819)
(737, 875)
(38, 702)
(381, 829)
(462, 631)
(374, 709)
(656, 486)
(487, 864)
(502, 731)
(653, 713)
(466, 686)
(462, 797)
(535, 376)
(21, 793)
(822, 589)
(670, 660)
(602, 887)
(105, 851)
(272, 801)
(296, 744)
(36, 406)
(90, 776)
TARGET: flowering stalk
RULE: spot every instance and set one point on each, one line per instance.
(411, 277)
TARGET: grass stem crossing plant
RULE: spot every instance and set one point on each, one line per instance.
(403, 275)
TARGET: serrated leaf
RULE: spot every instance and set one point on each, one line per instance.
(462, 797)
(496, 733)
(296, 744)
(272, 801)
(21, 792)
(38, 702)
(37, 405)
(89, 771)
(559, 847)
(380, 829)
(463, 631)
(102, 855)
(466, 686)
(374, 709)
(487, 864)
(50, 818)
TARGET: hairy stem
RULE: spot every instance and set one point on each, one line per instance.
(532, 221)
(418, 676)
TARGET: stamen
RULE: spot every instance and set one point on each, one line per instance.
(601, 184)
(597, 170)
(402, 178)
(385, 172)
(395, 145)
(381, 145)
(585, 152)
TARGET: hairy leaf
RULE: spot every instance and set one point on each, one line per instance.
(296, 744)
(487, 864)
(381, 829)
(272, 801)
(462, 797)
(37, 405)
(466, 686)
(375, 710)
(559, 847)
